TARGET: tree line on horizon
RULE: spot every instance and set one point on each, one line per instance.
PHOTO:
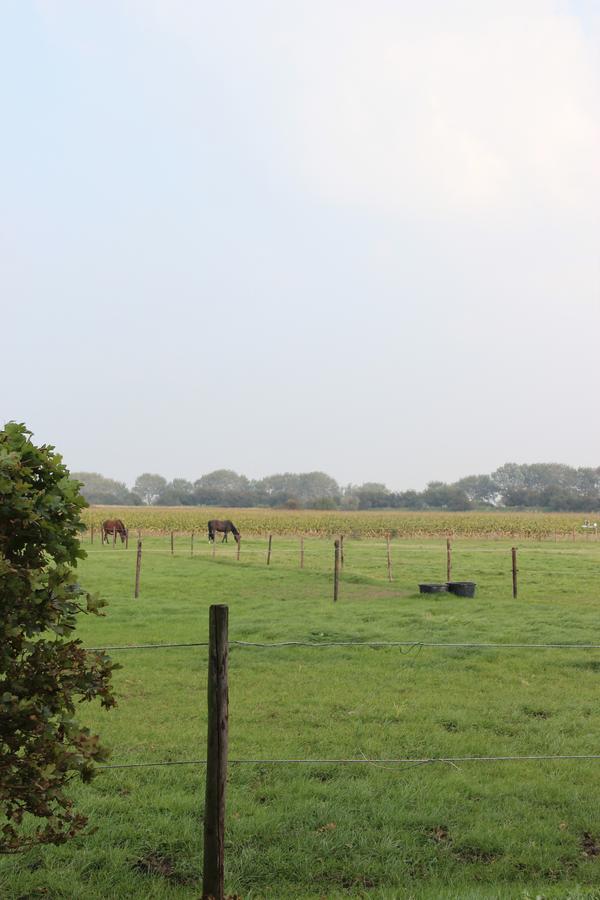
(548, 486)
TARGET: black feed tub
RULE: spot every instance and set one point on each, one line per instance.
(433, 588)
(462, 588)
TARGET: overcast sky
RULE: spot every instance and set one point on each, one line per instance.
(360, 236)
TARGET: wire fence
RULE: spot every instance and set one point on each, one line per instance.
(407, 762)
(438, 645)
(397, 762)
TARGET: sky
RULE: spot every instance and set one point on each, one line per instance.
(359, 236)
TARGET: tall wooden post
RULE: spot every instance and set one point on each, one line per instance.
(448, 560)
(302, 552)
(213, 872)
(389, 558)
(172, 546)
(138, 569)
(239, 546)
(127, 538)
(269, 550)
(514, 571)
(336, 571)
(192, 544)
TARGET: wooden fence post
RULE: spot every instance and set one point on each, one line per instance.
(172, 547)
(269, 550)
(192, 544)
(336, 570)
(389, 558)
(302, 552)
(448, 560)
(239, 545)
(342, 551)
(214, 545)
(127, 538)
(514, 571)
(138, 568)
(92, 533)
(213, 872)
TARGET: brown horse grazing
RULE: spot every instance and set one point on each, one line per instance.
(225, 526)
(114, 527)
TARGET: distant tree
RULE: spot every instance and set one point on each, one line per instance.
(222, 480)
(307, 487)
(373, 495)
(149, 487)
(479, 489)
(176, 493)
(100, 490)
(439, 495)
(44, 671)
(410, 500)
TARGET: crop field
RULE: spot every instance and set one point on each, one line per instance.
(370, 524)
(306, 827)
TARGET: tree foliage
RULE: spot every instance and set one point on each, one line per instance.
(149, 487)
(551, 486)
(100, 490)
(44, 671)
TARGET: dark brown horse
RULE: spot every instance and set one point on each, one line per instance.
(224, 526)
(114, 527)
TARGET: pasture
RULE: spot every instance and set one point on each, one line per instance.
(328, 830)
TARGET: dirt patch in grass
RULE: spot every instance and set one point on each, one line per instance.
(360, 881)
(536, 713)
(473, 854)
(158, 864)
(590, 845)
(440, 834)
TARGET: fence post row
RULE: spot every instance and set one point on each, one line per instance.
(213, 871)
(138, 568)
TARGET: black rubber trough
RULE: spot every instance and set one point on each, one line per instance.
(433, 588)
(462, 588)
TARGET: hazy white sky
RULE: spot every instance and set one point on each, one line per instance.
(361, 236)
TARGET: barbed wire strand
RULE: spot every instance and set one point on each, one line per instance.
(364, 761)
(316, 644)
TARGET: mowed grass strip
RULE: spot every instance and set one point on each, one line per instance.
(493, 829)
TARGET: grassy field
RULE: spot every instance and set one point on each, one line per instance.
(465, 830)
(367, 524)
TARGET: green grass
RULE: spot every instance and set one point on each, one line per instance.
(472, 830)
